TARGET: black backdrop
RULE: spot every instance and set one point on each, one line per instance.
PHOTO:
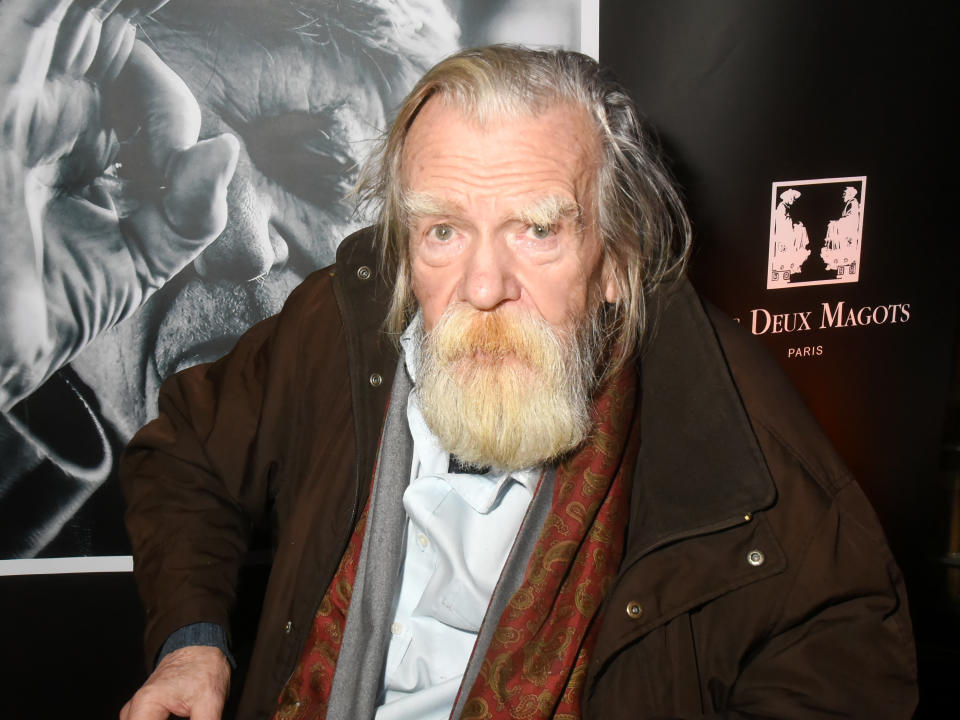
(746, 95)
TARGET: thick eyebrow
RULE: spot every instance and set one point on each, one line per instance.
(547, 211)
(420, 204)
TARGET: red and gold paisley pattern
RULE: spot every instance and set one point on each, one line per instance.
(307, 692)
(536, 664)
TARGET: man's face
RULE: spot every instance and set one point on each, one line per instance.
(302, 118)
(503, 215)
(508, 271)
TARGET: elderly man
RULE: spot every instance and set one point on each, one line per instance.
(514, 468)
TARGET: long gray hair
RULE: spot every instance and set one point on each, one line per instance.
(644, 229)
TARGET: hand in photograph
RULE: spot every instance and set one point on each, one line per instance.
(88, 235)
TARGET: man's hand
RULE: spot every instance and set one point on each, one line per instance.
(84, 240)
(191, 682)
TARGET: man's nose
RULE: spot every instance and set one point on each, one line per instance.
(489, 276)
(247, 248)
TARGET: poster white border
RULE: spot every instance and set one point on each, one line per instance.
(590, 28)
(67, 565)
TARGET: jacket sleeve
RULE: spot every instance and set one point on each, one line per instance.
(198, 477)
(798, 613)
(827, 637)
(842, 643)
(831, 636)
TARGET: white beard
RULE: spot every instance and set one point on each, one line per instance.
(504, 389)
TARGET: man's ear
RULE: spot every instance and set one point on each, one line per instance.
(608, 281)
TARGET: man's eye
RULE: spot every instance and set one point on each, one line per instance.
(305, 153)
(443, 233)
(540, 232)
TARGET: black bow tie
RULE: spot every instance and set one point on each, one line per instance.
(456, 466)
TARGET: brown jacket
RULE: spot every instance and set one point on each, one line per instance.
(757, 578)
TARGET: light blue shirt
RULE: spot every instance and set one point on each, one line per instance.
(460, 529)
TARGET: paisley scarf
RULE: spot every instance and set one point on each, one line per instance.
(535, 665)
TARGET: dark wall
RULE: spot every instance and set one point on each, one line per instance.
(749, 97)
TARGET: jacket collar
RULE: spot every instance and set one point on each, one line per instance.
(700, 467)
(363, 296)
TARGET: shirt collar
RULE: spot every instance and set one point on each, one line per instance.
(483, 492)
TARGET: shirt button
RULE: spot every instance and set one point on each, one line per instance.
(422, 540)
(396, 628)
(755, 558)
(288, 627)
(376, 379)
(364, 272)
(634, 610)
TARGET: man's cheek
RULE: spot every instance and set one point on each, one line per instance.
(432, 298)
(555, 301)
(432, 312)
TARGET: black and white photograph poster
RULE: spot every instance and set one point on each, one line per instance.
(171, 171)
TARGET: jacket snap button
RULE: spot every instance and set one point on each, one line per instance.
(376, 379)
(288, 627)
(755, 558)
(364, 272)
(634, 610)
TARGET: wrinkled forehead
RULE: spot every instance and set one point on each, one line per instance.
(393, 41)
(562, 133)
(240, 82)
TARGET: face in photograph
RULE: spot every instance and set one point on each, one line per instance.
(306, 92)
